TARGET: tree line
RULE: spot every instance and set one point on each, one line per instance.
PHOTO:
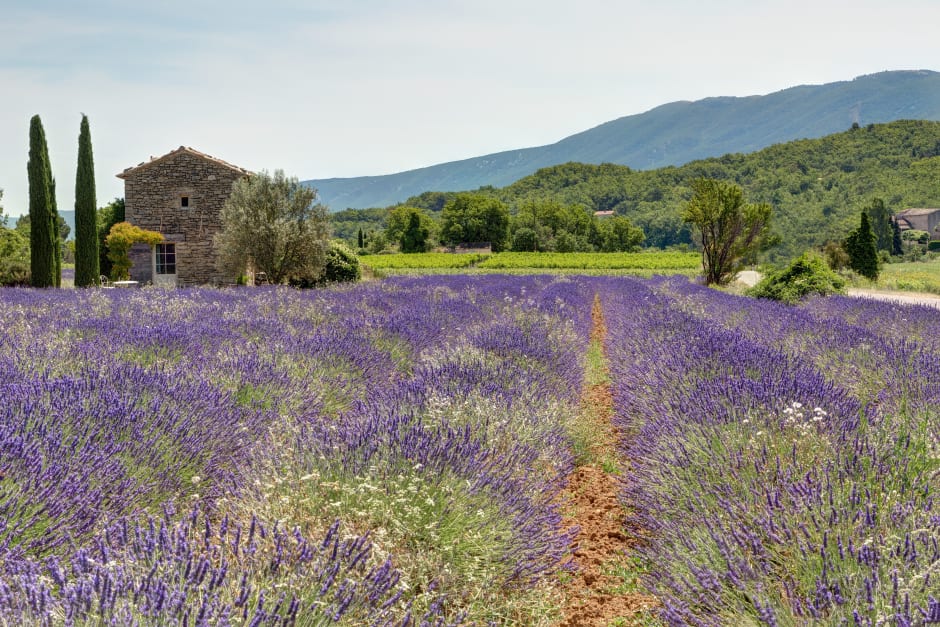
(539, 225)
(817, 188)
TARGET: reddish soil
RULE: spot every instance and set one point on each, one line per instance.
(595, 595)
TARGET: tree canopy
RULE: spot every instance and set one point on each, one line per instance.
(729, 228)
(272, 224)
(411, 227)
(475, 217)
(14, 253)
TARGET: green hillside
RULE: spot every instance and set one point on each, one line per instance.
(672, 134)
(817, 187)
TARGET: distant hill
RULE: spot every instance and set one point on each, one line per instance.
(817, 187)
(69, 217)
(672, 134)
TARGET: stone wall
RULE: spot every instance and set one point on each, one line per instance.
(153, 194)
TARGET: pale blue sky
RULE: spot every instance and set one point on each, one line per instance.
(362, 87)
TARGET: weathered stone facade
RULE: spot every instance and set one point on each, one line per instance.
(180, 195)
(921, 219)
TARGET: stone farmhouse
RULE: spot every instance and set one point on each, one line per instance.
(179, 195)
(921, 220)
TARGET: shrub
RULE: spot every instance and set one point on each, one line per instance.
(14, 258)
(808, 274)
(342, 266)
(122, 236)
(836, 256)
(934, 246)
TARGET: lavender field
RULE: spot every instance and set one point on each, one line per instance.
(396, 453)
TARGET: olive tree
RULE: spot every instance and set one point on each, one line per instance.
(730, 229)
(272, 224)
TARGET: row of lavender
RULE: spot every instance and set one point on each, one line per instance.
(186, 457)
(785, 459)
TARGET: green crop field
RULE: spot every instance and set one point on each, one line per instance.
(913, 276)
(644, 263)
(420, 261)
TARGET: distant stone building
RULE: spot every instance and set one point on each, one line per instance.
(920, 220)
(179, 195)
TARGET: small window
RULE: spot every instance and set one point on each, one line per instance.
(184, 202)
(166, 258)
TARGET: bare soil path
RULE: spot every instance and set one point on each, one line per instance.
(603, 591)
(907, 298)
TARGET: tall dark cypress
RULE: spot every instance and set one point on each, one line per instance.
(43, 240)
(897, 246)
(861, 245)
(87, 270)
(54, 229)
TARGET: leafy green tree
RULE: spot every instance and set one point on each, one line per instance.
(475, 217)
(108, 216)
(273, 224)
(14, 254)
(361, 242)
(558, 227)
(14, 257)
(87, 265)
(525, 239)
(618, 234)
(399, 220)
(415, 237)
(881, 224)
(861, 245)
(43, 243)
(728, 227)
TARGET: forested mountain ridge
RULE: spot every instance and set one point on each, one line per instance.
(671, 134)
(817, 187)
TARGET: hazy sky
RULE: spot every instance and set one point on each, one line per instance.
(361, 87)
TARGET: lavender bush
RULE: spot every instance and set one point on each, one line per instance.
(781, 479)
(184, 456)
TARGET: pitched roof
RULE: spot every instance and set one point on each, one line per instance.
(181, 149)
(916, 212)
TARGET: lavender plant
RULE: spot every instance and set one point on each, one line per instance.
(777, 489)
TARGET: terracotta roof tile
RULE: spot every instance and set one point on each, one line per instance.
(181, 149)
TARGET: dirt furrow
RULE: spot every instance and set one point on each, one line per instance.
(603, 592)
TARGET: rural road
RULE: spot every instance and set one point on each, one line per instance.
(750, 278)
(907, 298)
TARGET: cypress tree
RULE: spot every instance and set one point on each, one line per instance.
(861, 245)
(54, 229)
(87, 269)
(43, 239)
(361, 242)
(897, 246)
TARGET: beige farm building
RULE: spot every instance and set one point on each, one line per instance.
(180, 195)
(921, 219)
